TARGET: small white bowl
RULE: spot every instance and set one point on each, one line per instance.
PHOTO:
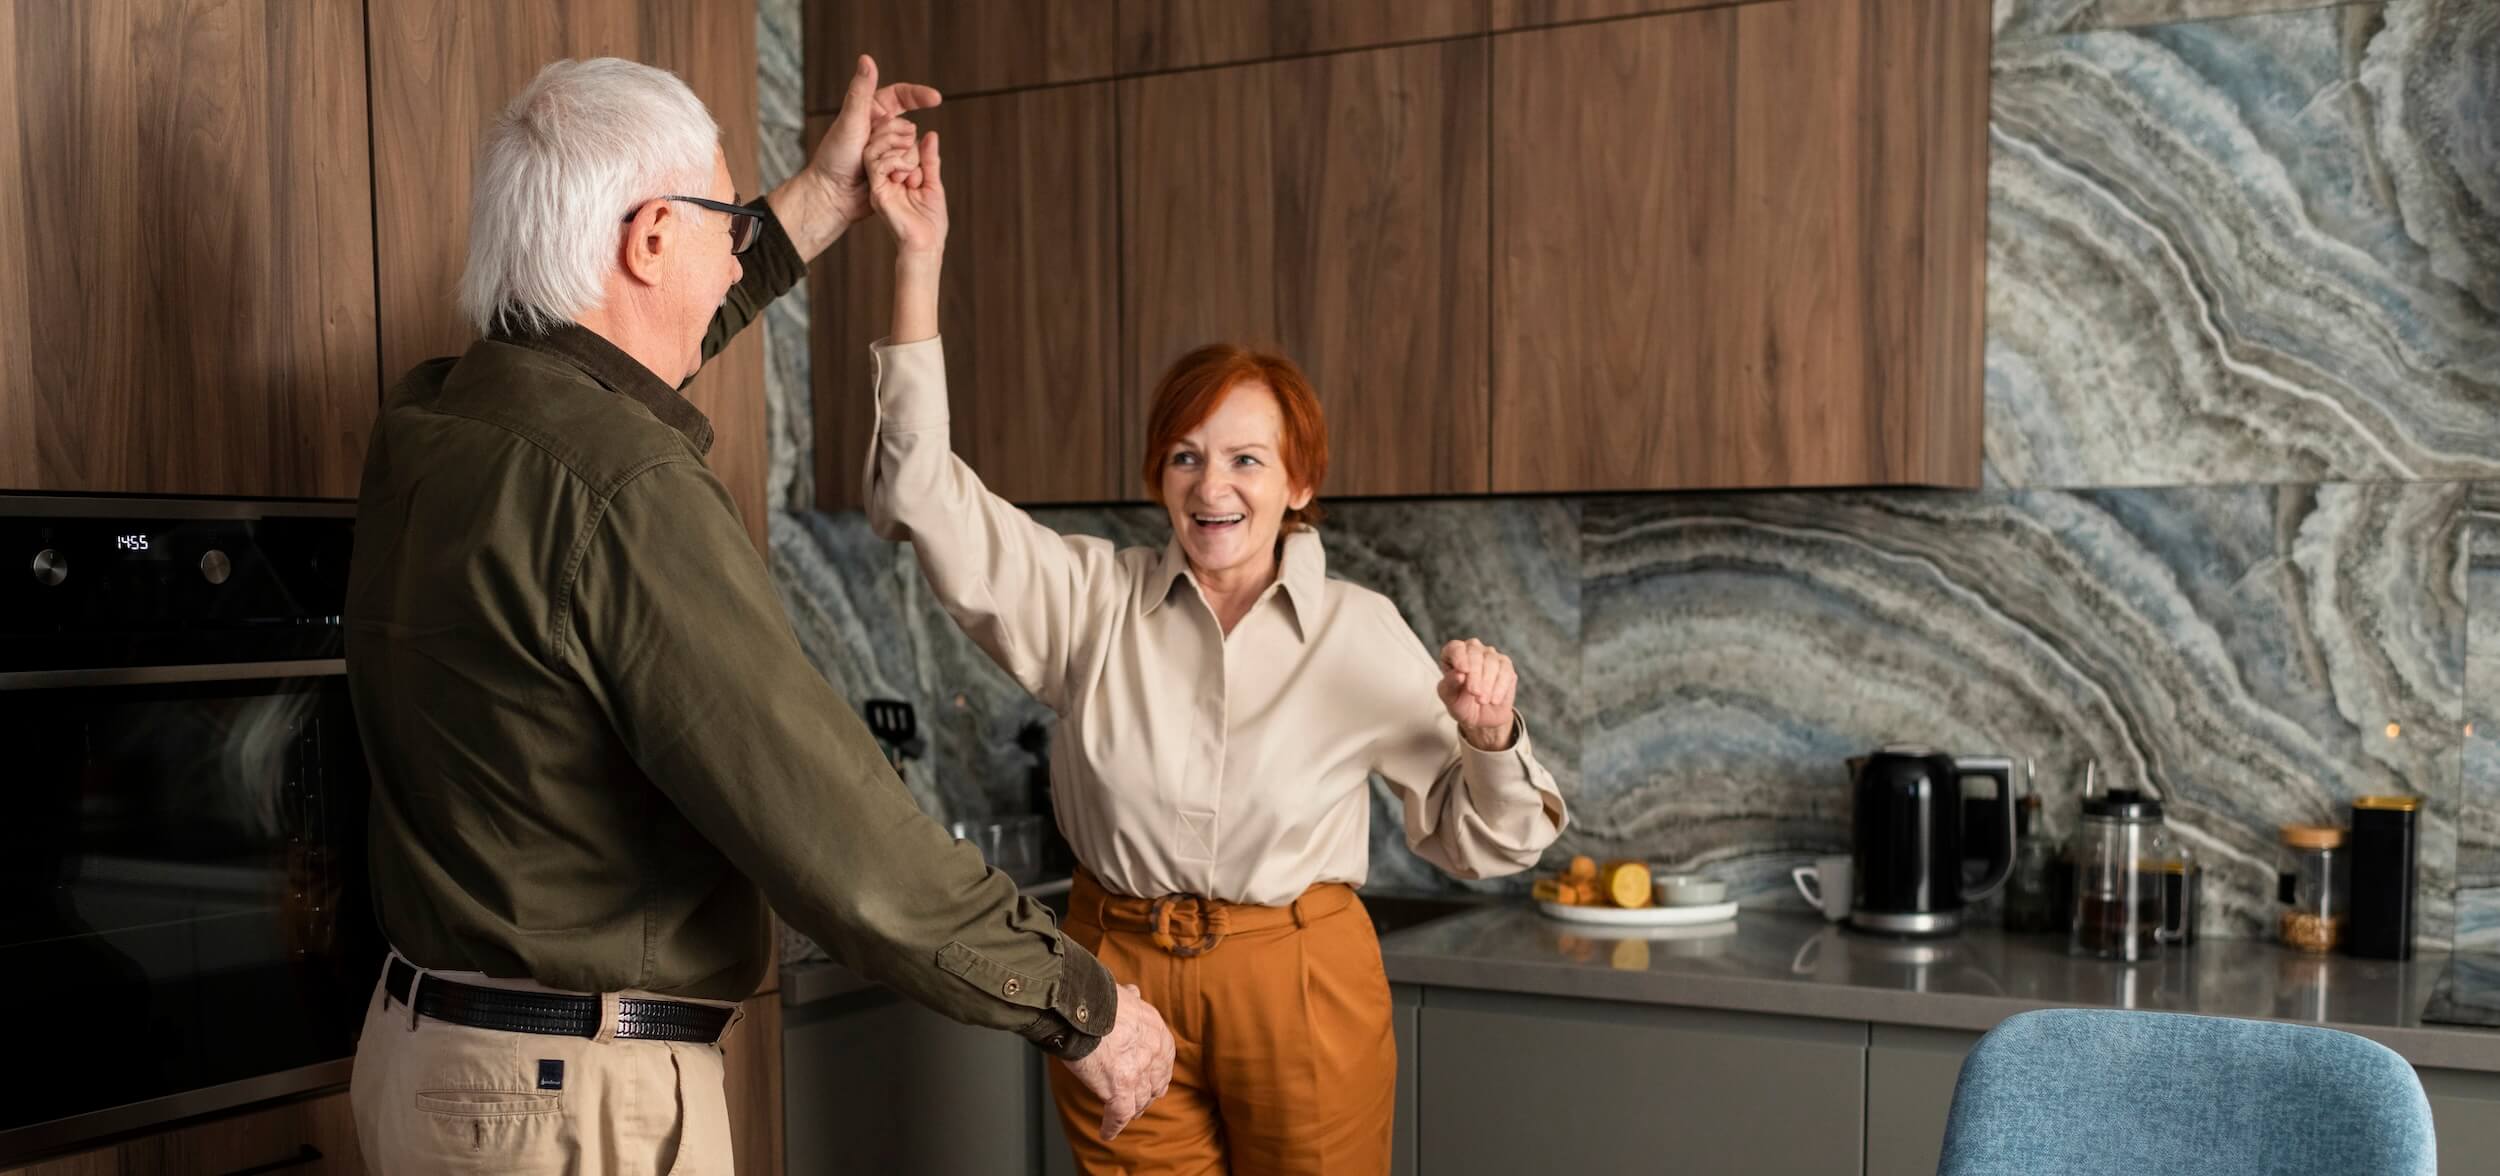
(1688, 890)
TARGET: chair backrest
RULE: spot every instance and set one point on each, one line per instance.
(2090, 1090)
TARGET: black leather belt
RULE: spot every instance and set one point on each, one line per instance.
(552, 1013)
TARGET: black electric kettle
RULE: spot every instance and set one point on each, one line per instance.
(1906, 877)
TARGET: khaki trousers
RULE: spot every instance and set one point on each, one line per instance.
(432, 1097)
(1286, 1062)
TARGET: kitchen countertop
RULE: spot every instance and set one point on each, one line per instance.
(1799, 965)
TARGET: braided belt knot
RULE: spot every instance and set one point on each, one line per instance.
(1214, 921)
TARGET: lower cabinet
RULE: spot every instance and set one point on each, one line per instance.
(1056, 1159)
(875, 1085)
(1512, 1084)
(1406, 1004)
(1910, 1074)
(1488, 1083)
(2465, 1110)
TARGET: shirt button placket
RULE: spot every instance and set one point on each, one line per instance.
(1217, 746)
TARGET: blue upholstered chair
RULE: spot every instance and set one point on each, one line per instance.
(2089, 1090)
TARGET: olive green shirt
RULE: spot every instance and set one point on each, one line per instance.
(596, 748)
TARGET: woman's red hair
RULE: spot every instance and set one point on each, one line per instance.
(1198, 382)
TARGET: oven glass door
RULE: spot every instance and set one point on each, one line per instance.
(183, 901)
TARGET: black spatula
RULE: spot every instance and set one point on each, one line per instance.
(894, 725)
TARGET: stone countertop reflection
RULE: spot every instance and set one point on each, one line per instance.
(1798, 965)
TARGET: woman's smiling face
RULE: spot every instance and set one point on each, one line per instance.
(1225, 483)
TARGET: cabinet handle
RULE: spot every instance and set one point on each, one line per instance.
(305, 1154)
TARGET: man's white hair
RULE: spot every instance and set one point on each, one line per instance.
(560, 168)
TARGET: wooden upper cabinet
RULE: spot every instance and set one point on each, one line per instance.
(1741, 247)
(1333, 208)
(958, 46)
(1028, 308)
(186, 249)
(442, 69)
(1177, 34)
(1522, 14)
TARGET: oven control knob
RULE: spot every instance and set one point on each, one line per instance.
(215, 566)
(50, 568)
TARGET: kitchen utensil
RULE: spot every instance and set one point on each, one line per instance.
(1011, 845)
(1606, 916)
(2123, 894)
(895, 726)
(1909, 837)
(1825, 885)
(1682, 890)
(1033, 738)
(2027, 889)
(2062, 861)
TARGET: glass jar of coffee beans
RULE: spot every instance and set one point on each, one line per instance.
(2312, 887)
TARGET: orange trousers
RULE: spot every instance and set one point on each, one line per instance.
(1286, 1062)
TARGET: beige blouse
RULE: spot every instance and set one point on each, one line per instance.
(1187, 762)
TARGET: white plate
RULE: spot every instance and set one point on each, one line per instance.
(1606, 916)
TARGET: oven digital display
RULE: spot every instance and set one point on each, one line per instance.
(141, 545)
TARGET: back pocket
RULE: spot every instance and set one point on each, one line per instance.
(476, 1132)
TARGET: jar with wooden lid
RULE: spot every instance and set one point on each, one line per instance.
(2311, 887)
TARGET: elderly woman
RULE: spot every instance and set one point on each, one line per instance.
(1223, 704)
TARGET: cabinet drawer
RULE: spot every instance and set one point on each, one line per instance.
(1531, 1084)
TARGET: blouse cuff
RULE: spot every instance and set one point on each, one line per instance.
(1502, 787)
(911, 385)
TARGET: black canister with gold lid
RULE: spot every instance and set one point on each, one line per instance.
(2386, 834)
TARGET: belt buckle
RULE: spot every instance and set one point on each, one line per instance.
(1210, 930)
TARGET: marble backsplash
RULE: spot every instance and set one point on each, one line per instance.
(2478, 821)
(2256, 655)
(2243, 384)
(1696, 668)
(2255, 250)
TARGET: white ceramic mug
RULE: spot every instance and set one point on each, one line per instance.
(1825, 885)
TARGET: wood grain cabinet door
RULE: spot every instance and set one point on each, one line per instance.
(1334, 208)
(1157, 35)
(186, 248)
(1526, 14)
(1740, 247)
(443, 68)
(1028, 309)
(962, 47)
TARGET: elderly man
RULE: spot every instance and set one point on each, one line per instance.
(594, 738)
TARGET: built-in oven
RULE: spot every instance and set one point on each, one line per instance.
(185, 927)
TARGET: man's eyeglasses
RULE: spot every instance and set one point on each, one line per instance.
(745, 224)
